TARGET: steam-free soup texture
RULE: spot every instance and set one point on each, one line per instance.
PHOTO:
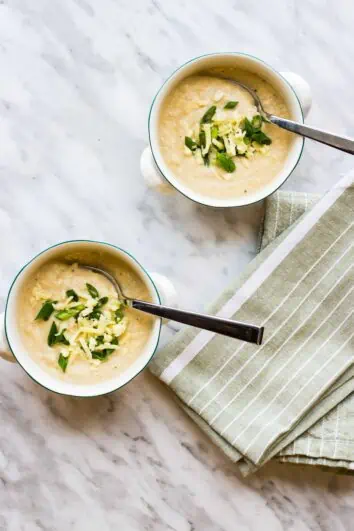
(88, 335)
(252, 168)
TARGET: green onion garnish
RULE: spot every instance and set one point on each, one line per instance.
(55, 338)
(52, 334)
(99, 355)
(214, 132)
(63, 362)
(102, 354)
(247, 127)
(231, 105)
(92, 291)
(71, 293)
(114, 341)
(261, 138)
(257, 121)
(96, 312)
(208, 116)
(202, 139)
(189, 142)
(61, 339)
(119, 314)
(67, 313)
(45, 312)
(225, 162)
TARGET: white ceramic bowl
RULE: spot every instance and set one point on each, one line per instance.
(293, 88)
(13, 349)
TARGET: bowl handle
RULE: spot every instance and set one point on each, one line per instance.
(166, 289)
(5, 352)
(302, 90)
(151, 173)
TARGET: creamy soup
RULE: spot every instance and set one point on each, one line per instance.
(75, 327)
(213, 139)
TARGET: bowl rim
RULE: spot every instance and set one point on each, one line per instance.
(28, 263)
(170, 77)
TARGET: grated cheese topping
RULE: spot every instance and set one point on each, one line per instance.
(83, 325)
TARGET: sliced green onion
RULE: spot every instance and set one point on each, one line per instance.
(219, 144)
(214, 131)
(202, 139)
(67, 313)
(115, 341)
(189, 142)
(52, 334)
(102, 354)
(45, 312)
(257, 121)
(96, 312)
(99, 355)
(102, 301)
(71, 293)
(55, 338)
(208, 116)
(63, 362)
(261, 138)
(225, 162)
(92, 291)
(231, 105)
(119, 314)
(64, 315)
(247, 127)
(60, 338)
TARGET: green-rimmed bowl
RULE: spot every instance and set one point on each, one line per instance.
(292, 87)
(11, 344)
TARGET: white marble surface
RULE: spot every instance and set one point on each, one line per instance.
(77, 77)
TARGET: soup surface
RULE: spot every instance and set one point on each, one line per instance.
(74, 325)
(213, 140)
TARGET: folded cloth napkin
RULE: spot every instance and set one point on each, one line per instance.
(330, 441)
(290, 397)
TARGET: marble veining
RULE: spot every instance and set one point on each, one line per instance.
(77, 79)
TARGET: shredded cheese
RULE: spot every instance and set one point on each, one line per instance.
(92, 332)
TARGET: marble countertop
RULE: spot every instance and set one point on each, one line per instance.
(77, 78)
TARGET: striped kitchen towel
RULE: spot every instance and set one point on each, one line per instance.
(330, 441)
(275, 400)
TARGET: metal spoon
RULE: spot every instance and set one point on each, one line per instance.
(226, 327)
(343, 143)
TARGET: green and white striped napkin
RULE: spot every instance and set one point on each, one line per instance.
(291, 397)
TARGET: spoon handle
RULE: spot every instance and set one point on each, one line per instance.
(338, 142)
(226, 327)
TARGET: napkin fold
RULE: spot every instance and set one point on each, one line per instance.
(289, 398)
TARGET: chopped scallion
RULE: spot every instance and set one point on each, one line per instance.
(71, 293)
(52, 334)
(190, 144)
(45, 312)
(231, 105)
(63, 362)
(257, 121)
(225, 162)
(92, 291)
(67, 313)
(208, 116)
(261, 138)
